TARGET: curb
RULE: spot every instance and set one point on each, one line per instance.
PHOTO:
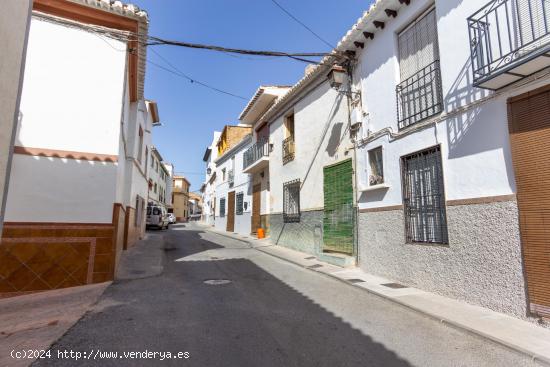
(534, 356)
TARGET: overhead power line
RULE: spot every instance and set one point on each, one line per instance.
(302, 24)
(299, 56)
(181, 74)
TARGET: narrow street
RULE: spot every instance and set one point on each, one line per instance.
(271, 313)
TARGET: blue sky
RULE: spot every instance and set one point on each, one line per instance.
(189, 112)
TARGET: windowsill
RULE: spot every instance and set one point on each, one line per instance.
(374, 187)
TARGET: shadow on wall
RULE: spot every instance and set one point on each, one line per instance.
(272, 325)
(479, 129)
(334, 139)
(373, 196)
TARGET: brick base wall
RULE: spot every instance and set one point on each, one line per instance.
(44, 256)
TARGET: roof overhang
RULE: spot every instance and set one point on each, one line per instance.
(154, 112)
(207, 153)
(264, 97)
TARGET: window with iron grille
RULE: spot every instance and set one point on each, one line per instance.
(222, 207)
(424, 197)
(291, 201)
(419, 95)
(239, 198)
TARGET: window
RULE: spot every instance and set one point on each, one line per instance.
(239, 198)
(291, 201)
(424, 197)
(222, 207)
(288, 142)
(155, 188)
(376, 176)
(223, 175)
(140, 144)
(152, 161)
(419, 95)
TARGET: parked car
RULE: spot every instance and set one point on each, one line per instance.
(157, 217)
(171, 218)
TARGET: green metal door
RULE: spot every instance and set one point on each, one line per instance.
(339, 213)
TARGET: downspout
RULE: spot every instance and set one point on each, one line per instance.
(353, 139)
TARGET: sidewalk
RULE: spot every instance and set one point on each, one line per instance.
(36, 321)
(519, 335)
(143, 260)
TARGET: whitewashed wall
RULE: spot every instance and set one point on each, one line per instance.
(72, 100)
(209, 195)
(242, 183)
(323, 107)
(73, 90)
(136, 171)
(474, 144)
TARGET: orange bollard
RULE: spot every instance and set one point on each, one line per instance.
(261, 233)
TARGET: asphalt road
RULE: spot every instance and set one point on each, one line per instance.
(271, 313)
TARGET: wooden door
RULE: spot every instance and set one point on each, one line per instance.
(231, 212)
(529, 124)
(256, 206)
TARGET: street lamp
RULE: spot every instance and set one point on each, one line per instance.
(208, 170)
(337, 76)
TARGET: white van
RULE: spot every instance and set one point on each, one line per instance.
(157, 216)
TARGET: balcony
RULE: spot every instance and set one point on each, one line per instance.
(509, 41)
(288, 149)
(420, 96)
(256, 158)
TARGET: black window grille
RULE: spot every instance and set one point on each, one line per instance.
(419, 95)
(288, 149)
(424, 197)
(239, 198)
(291, 201)
(222, 207)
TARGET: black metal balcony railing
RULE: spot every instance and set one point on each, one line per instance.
(419, 96)
(254, 153)
(506, 33)
(288, 149)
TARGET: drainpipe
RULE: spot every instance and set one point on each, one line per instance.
(349, 95)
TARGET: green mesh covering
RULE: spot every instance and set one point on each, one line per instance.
(339, 212)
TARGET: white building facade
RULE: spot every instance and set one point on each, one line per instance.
(451, 130)
(208, 189)
(233, 190)
(256, 158)
(160, 180)
(169, 167)
(70, 165)
(419, 151)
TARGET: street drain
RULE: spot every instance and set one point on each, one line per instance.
(354, 281)
(309, 258)
(394, 285)
(217, 281)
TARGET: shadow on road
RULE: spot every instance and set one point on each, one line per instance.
(254, 320)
